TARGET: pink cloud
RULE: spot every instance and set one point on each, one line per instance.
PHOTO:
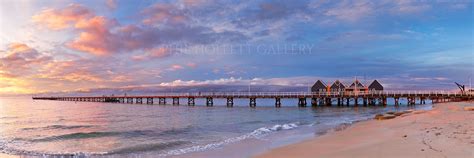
(154, 53)
(159, 52)
(95, 38)
(61, 19)
(85, 71)
(102, 36)
(112, 4)
(20, 59)
(66, 71)
(175, 67)
(95, 35)
(161, 13)
(17, 64)
(191, 65)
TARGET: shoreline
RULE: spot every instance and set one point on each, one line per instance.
(443, 131)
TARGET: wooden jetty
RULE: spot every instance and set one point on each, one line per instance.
(370, 98)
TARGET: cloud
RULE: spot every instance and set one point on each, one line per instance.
(175, 67)
(351, 11)
(196, 3)
(258, 16)
(63, 18)
(154, 53)
(87, 71)
(171, 24)
(292, 81)
(94, 31)
(102, 36)
(191, 65)
(460, 5)
(25, 70)
(279, 9)
(68, 71)
(164, 14)
(409, 6)
(112, 4)
(96, 37)
(358, 37)
(20, 60)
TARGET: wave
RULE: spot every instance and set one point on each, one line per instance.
(79, 135)
(120, 151)
(254, 134)
(51, 127)
(148, 147)
(87, 135)
(25, 153)
(175, 131)
(31, 153)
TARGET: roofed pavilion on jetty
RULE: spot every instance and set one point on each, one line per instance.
(356, 86)
(375, 86)
(319, 86)
(338, 86)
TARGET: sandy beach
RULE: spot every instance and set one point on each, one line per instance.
(445, 131)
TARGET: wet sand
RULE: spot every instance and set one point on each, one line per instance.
(445, 131)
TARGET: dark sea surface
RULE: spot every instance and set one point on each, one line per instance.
(90, 129)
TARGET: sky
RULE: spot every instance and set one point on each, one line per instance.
(116, 46)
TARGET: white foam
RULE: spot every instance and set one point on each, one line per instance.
(254, 134)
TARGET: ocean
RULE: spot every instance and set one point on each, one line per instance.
(91, 129)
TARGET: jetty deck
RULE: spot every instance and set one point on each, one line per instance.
(316, 98)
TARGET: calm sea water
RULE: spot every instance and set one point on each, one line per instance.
(82, 129)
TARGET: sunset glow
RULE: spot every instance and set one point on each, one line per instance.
(69, 46)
